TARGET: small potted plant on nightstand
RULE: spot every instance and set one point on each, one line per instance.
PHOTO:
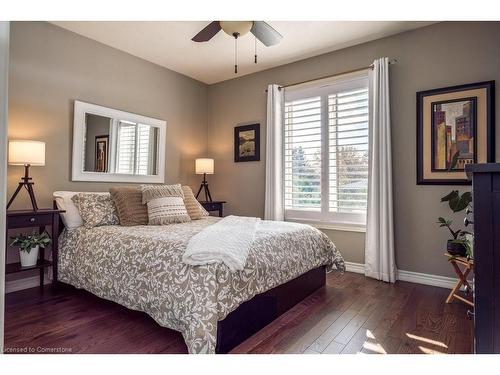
(29, 246)
(461, 242)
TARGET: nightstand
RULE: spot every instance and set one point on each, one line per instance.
(214, 206)
(36, 219)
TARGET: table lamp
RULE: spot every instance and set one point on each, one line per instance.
(204, 166)
(27, 153)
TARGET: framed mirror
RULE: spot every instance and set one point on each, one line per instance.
(116, 146)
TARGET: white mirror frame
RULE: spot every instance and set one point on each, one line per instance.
(77, 172)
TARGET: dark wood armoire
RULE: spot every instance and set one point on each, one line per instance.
(486, 211)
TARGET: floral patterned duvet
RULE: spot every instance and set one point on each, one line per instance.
(141, 268)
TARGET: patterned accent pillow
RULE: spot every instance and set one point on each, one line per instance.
(194, 208)
(165, 204)
(150, 192)
(96, 209)
(167, 210)
(128, 202)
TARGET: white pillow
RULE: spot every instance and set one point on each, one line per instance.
(71, 218)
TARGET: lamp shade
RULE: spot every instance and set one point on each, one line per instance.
(26, 152)
(204, 165)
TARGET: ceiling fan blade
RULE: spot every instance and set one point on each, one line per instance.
(265, 33)
(208, 32)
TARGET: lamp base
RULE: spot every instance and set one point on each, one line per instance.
(204, 187)
(28, 184)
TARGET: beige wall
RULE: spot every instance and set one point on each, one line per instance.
(51, 67)
(440, 55)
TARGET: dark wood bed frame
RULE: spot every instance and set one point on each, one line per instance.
(254, 314)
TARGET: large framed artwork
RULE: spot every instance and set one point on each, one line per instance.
(455, 127)
(247, 143)
(101, 153)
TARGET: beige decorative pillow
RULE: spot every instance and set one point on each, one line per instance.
(194, 208)
(165, 204)
(96, 209)
(128, 202)
(150, 192)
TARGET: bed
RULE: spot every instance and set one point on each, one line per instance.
(140, 267)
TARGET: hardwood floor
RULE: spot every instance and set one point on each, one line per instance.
(352, 314)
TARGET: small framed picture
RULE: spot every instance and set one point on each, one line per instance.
(455, 127)
(101, 153)
(247, 143)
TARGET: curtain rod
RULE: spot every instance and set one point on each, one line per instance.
(393, 61)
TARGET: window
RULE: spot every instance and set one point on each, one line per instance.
(326, 152)
(126, 148)
(135, 151)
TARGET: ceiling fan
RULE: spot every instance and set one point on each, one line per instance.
(260, 29)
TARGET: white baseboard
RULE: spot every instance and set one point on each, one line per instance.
(427, 279)
(26, 283)
(410, 276)
(355, 267)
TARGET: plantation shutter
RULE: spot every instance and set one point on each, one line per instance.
(303, 154)
(126, 147)
(326, 151)
(135, 148)
(143, 148)
(348, 153)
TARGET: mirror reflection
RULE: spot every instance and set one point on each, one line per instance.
(118, 146)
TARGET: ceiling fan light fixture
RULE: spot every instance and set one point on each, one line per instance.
(261, 30)
(239, 28)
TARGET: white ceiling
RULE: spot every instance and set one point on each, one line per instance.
(169, 43)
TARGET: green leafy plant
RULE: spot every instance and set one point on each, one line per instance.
(458, 203)
(27, 242)
(458, 234)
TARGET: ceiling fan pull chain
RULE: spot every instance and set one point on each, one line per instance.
(255, 50)
(235, 53)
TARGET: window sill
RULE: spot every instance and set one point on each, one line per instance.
(344, 227)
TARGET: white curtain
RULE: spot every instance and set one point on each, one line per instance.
(273, 209)
(379, 248)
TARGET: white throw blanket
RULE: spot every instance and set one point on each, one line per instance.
(227, 241)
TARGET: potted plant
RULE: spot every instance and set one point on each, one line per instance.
(461, 242)
(29, 246)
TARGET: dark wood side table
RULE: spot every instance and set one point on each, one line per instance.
(33, 219)
(214, 206)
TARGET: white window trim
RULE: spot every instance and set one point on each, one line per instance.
(322, 218)
(340, 226)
